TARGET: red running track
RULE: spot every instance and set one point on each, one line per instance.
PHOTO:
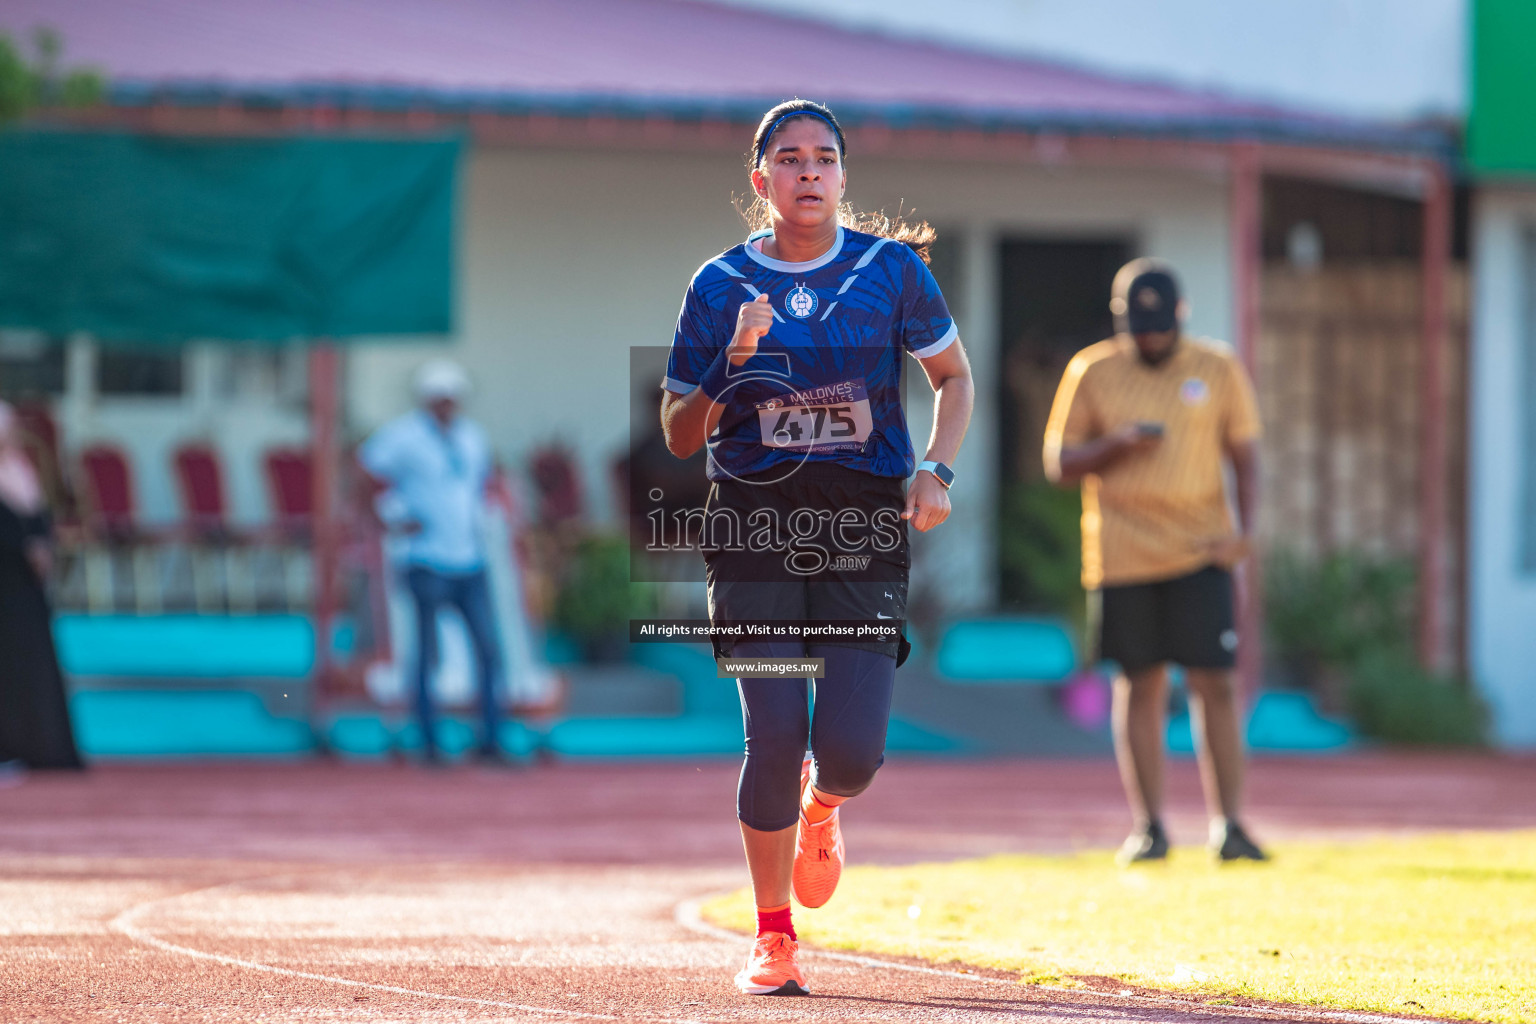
(391, 893)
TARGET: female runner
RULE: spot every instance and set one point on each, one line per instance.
(787, 363)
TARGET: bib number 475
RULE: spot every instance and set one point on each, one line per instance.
(829, 416)
(812, 424)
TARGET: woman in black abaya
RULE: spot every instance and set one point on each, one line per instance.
(34, 717)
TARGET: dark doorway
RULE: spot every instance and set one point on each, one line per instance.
(1054, 302)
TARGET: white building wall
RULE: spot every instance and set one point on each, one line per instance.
(1502, 598)
(571, 257)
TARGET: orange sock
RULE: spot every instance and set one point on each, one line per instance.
(814, 810)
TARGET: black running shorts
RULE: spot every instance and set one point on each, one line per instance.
(1187, 620)
(827, 543)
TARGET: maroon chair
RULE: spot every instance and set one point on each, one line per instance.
(40, 437)
(201, 480)
(205, 522)
(558, 483)
(109, 522)
(291, 494)
(108, 485)
(291, 490)
(37, 423)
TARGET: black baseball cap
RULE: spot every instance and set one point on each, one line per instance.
(1145, 298)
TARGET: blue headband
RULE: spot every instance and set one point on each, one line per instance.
(763, 146)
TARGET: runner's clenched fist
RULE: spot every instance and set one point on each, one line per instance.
(752, 322)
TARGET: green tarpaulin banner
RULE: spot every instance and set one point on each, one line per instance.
(142, 239)
(1499, 137)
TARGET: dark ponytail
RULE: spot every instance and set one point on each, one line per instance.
(917, 234)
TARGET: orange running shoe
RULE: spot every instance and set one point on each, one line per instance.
(771, 968)
(818, 854)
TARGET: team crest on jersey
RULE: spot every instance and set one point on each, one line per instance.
(801, 302)
(1194, 391)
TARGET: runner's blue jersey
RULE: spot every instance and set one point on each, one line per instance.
(825, 384)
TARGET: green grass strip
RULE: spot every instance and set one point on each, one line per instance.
(1441, 925)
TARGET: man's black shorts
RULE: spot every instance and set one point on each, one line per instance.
(841, 552)
(1187, 620)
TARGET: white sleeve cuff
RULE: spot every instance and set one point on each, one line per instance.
(677, 387)
(939, 346)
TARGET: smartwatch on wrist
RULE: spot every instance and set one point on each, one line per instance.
(942, 473)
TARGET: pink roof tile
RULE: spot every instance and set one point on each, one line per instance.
(665, 56)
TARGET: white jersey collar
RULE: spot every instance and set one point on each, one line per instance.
(793, 268)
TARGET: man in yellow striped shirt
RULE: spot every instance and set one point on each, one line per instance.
(1146, 421)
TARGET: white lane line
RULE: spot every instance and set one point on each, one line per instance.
(689, 914)
(124, 923)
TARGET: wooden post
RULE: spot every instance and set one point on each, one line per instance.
(324, 406)
(1435, 262)
(1246, 234)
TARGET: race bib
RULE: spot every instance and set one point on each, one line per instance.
(831, 417)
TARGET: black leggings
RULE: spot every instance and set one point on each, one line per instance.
(846, 732)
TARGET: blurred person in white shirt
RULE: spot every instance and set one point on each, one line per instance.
(433, 464)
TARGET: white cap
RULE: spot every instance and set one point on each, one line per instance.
(440, 378)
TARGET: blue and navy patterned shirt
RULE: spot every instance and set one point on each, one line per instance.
(825, 384)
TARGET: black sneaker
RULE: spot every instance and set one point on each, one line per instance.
(1147, 843)
(1230, 842)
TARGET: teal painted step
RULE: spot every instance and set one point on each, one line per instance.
(1282, 720)
(369, 736)
(683, 736)
(235, 723)
(697, 735)
(632, 738)
(186, 646)
(182, 723)
(1012, 650)
(694, 667)
(903, 736)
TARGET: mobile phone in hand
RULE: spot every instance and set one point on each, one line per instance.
(1150, 429)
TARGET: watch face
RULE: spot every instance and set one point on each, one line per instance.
(943, 473)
